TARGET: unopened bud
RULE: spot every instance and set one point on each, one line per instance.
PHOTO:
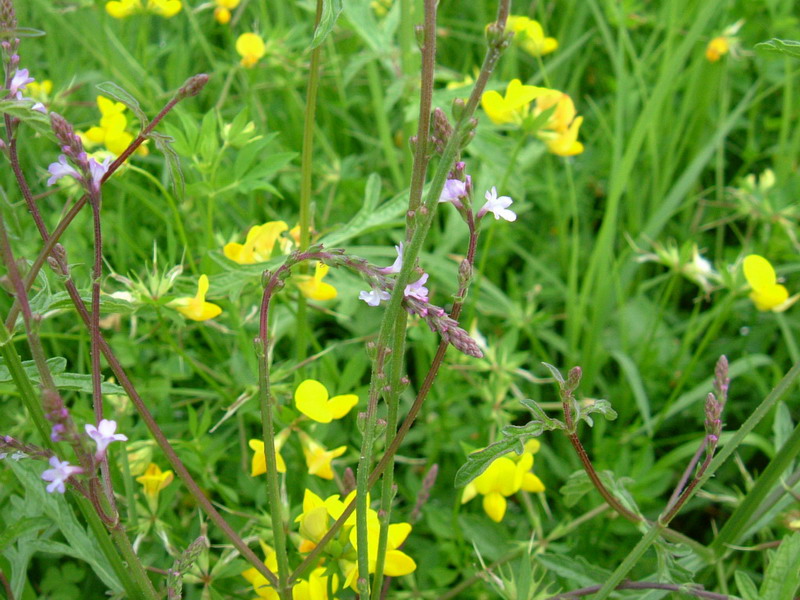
(192, 86)
(574, 378)
(458, 108)
(8, 18)
(464, 273)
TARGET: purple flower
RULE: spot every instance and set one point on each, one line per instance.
(98, 170)
(374, 297)
(60, 472)
(55, 433)
(497, 206)
(60, 169)
(103, 435)
(395, 267)
(417, 289)
(19, 81)
(38, 106)
(453, 191)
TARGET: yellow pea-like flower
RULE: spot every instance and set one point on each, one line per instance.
(154, 480)
(529, 34)
(318, 458)
(258, 464)
(312, 286)
(311, 399)
(767, 293)
(717, 48)
(259, 244)
(197, 308)
(514, 106)
(251, 48)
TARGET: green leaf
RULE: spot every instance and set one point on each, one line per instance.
(539, 415)
(579, 484)
(556, 374)
(23, 110)
(597, 406)
(19, 528)
(776, 46)
(109, 88)
(631, 372)
(54, 506)
(577, 570)
(23, 32)
(479, 461)
(747, 589)
(783, 577)
(64, 381)
(164, 145)
(330, 12)
(366, 220)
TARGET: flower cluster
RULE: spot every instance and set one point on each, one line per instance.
(313, 401)
(558, 130)
(119, 9)
(506, 476)
(316, 519)
(111, 132)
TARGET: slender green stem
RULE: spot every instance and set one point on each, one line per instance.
(306, 174)
(387, 492)
(268, 435)
(382, 121)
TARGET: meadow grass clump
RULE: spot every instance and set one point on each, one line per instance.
(399, 299)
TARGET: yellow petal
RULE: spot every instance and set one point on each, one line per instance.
(494, 107)
(95, 135)
(769, 297)
(398, 532)
(311, 399)
(398, 563)
(470, 491)
(258, 465)
(759, 272)
(495, 507)
(341, 405)
(238, 253)
(532, 446)
(531, 483)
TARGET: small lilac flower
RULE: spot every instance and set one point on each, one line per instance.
(61, 169)
(38, 106)
(453, 191)
(103, 435)
(55, 433)
(19, 81)
(396, 266)
(497, 206)
(60, 472)
(374, 297)
(417, 289)
(98, 171)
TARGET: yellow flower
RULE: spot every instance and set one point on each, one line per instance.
(396, 562)
(313, 287)
(164, 8)
(514, 106)
(767, 293)
(111, 131)
(261, 584)
(119, 9)
(311, 399)
(197, 308)
(251, 48)
(318, 459)
(258, 465)
(725, 43)
(560, 132)
(530, 35)
(717, 48)
(39, 91)
(222, 12)
(316, 587)
(259, 244)
(503, 478)
(316, 517)
(154, 480)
